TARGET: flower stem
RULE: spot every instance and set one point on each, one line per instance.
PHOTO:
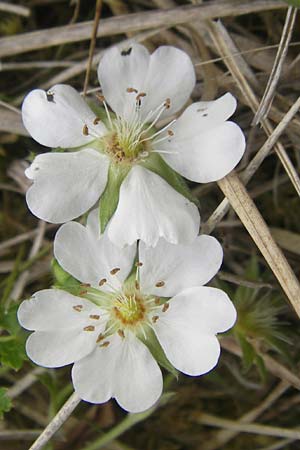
(56, 422)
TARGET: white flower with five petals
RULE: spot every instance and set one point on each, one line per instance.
(202, 145)
(106, 329)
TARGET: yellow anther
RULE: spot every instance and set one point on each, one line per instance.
(105, 344)
(85, 130)
(155, 319)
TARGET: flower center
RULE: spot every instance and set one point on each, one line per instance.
(129, 309)
(129, 138)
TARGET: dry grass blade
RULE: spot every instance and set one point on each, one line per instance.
(15, 9)
(255, 428)
(252, 167)
(226, 48)
(222, 437)
(273, 366)
(269, 93)
(92, 45)
(252, 220)
(22, 43)
(56, 422)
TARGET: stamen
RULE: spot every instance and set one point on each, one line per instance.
(155, 319)
(115, 270)
(82, 292)
(165, 307)
(157, 301)
(100, 338)
(160, 284)
(131, 89)
(102, 281)
(139, 97)
(78, 308)
(121, 333)
(85, 285)
(96, 120)
(105, 344)
(170, 133)
(85, 130)
(94, 316)
(89, 328)
(137, 285)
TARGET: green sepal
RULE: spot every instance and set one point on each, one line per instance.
(157, 352)
(63, 280)
(110, 197)
(5, 402)
(156, 164)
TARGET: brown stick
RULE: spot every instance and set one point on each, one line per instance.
(25, 42)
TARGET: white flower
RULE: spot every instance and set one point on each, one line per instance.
(141, 89)
(106, 329)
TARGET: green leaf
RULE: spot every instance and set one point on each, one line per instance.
(156, 164)
(110, 197)
(12, 352)
(9, 321)
(5, 402)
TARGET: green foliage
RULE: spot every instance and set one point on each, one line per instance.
(258, 324)
(110, 197)
(63, 280)
(12, 339)
(5, 402)
(293, 3)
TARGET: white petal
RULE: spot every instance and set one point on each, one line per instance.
(125, 370)
(53, 309)
(179, 266)
(61, 347)
(167, 73)
(170, 75)
(89, 258)
(149, 208)
(200, 117)
(57, 120)
(65, 185)
(186, 330)
(119, 70)
(208, 156)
